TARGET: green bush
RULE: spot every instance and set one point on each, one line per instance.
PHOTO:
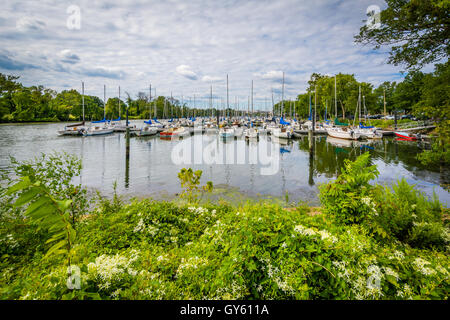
(349, 197)
(406, 214)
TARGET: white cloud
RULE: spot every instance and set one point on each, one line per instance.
(27, 24)
(211, 79)
(134, 43)
(186, 71)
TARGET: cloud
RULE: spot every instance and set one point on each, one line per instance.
(134, 43)
(68, 57)
(211, 79)
(9, 64)
(101, 72)
(29, 24)
(186, 72)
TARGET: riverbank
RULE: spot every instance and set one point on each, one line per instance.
(363, 242)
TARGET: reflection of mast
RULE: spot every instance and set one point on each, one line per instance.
(311, 163)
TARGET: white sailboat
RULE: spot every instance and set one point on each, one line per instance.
(100, 127)
(226, 132)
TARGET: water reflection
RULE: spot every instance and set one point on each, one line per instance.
(148, 168)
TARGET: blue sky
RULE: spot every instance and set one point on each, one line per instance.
(182, 47)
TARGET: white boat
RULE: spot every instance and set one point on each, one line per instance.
(76, 129)
(120, 127)
(226, 132)
(199, 129)
(98, 130)
(175, 132)
(283, 132)
(238, 132)
(147, 131)
(251, 133)
(344, 133)
(370, 133)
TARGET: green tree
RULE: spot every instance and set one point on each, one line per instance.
(417, 31)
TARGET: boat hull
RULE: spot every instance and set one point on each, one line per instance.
(405, 136)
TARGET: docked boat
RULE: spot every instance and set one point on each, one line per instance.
(147, 131)
(175, 132)
(76, 129)
(251, 133)
(283, 132)
(238, 132)
(226, 132)
(98, 130)
(407, 136)
(344, 133)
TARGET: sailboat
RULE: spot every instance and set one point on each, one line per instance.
(148, 130)
(75, 129)
(98, 129)
(117, 123)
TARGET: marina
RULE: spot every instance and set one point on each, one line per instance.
(152, 173)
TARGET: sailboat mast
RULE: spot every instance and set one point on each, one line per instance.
(104, 102)
(273, 104)
(252, 98)
(335, 98)
(282, 97)
(119, 102)
(228, 106)
(82, 97)
(150, 102)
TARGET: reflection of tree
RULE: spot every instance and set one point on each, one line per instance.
(328, 159)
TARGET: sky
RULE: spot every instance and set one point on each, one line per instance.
(182, 47)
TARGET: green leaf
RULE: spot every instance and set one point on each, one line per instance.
(26, 196)
(25, 183)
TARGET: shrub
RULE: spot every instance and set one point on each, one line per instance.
(407, 214)
(349, 197)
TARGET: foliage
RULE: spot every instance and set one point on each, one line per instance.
(417, 31)
(146, 249)
(345, 197)
(160, 250)
(47, 212)
(401, 214)
(409, 216)
(190, 181)
(57, 172)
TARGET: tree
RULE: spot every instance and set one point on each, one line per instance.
(418, 32)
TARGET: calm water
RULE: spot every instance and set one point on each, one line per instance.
(151, 171)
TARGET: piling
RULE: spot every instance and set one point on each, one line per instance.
(127, 153)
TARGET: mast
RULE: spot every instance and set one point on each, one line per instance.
(227, 97)
(315, 103)
(335, 97)
(282, 97)
(119, 102)
(154, 106)
(252, 98)
(104, 102)
(82, 97)
(384, 96)
(150, 102)
(273, 105)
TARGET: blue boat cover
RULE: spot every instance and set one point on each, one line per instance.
(100, 121)
(364, 127)
(148, 122)
(154, 119)
(284, 122)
